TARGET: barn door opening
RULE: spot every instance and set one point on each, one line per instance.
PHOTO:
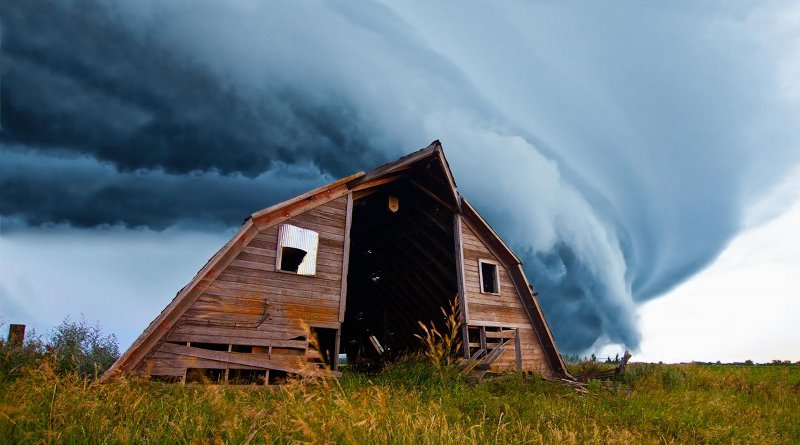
(402, 270)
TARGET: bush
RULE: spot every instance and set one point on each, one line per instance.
(77, 347)
(73, 347)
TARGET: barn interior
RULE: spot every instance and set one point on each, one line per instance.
(402, 264)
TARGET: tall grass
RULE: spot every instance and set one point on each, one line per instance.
(411, 401)
(442, 347)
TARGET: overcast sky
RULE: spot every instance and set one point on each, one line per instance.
(624, 151)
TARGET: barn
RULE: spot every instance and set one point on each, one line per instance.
(349, 270)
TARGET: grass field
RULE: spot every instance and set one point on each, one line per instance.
(413, 402)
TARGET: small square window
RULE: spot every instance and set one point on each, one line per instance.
(297, 250)
(490, 282)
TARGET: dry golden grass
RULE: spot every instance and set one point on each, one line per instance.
(412, 402)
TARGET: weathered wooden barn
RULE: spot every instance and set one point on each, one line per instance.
(357, 263)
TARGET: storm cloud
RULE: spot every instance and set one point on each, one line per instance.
(616, 149)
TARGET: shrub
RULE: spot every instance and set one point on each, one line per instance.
(77, 347)
(73, 347)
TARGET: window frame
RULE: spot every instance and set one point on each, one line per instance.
(481, 262)
(279, 246)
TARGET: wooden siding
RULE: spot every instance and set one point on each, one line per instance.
(232, 309)
(504, 310)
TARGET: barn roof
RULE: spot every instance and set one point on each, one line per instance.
(430, 157)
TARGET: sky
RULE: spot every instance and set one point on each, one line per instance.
(626, 152)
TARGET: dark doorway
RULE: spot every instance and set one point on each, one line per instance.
(402, 271)
(325, 345)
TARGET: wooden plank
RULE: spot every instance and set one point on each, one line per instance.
(313, 294)
(345, 260)
(237, 340)
(434, 196)
(518, 349)
(272, 333)
(395, 166)
(335, 364)
(166, 359)
(499, 321)
(376, 182)
(501, 334)
(459, 255)
(165, 371)
(479, 309)
(262, 291)
(270, 216)
(361, 194)
(257, 360)
(218, 304)
(465, 340)
(333, 222)
(449, 176)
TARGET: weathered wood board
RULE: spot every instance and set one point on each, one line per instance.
(250, 303)
(503, 310)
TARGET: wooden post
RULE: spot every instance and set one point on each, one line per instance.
(16, 335)
(518, 349)
(335, 359)
(483, 338)
(348, 222)
(462, 298)
(465, 339)
(227, 367)
(459, 251)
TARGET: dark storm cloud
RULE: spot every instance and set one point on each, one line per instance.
(630, 144)
(80, 191)
(76, 78)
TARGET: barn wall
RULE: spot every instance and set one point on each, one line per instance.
(232, 309)
(498, 310)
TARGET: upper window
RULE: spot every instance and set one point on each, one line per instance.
(297, 250)
(490, 281)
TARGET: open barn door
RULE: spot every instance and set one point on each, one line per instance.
(402, 266)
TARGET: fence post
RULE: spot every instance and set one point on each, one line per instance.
(16, 335)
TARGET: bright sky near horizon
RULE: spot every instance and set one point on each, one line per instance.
(745, 305)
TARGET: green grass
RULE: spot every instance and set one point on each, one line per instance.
(413, 402)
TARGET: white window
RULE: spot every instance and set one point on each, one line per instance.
(297, 250)
(490, 277)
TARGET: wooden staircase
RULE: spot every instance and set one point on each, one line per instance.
(479, 364)
(491, 344)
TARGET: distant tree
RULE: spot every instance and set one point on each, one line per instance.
(572, 359)
(76, 346)
(748, 362)
(616, 358)
(593, 358)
